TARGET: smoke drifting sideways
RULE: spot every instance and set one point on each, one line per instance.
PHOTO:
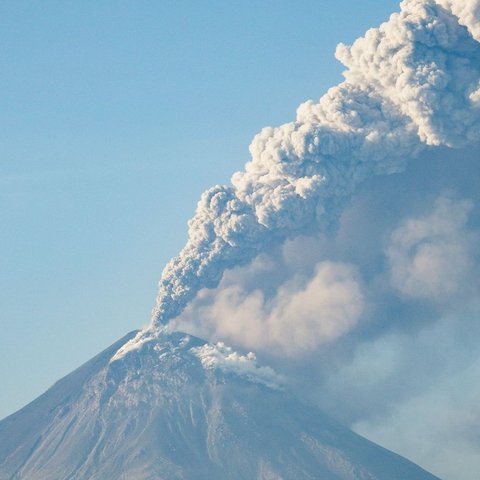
(411, 84)
(377, 324)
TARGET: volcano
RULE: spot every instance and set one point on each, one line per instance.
(178, 407)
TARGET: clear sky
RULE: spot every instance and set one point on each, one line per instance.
(112, 113)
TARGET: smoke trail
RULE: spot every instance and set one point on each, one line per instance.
(412, 83)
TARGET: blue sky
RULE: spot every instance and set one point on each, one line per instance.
(114, 117)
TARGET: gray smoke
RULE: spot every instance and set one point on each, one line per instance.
(413, 83)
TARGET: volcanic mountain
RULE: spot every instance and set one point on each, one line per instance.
(180, 408)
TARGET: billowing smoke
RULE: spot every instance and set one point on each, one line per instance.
(401, 79)
(411, 84)
(307, 310)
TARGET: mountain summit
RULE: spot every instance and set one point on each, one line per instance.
(180, 408)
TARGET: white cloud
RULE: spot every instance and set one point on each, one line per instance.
(227, 360)
(468, 13)
(305, 312)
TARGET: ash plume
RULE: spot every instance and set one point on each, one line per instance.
(411, 84)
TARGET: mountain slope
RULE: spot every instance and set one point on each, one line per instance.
(178, 408)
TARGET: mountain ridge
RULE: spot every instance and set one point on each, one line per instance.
(180, 408)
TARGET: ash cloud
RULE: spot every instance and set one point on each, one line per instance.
(304, 313)
(411, 83)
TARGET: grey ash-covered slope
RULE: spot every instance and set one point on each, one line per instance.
(160, 413)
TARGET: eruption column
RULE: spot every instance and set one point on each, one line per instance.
(409, 84)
